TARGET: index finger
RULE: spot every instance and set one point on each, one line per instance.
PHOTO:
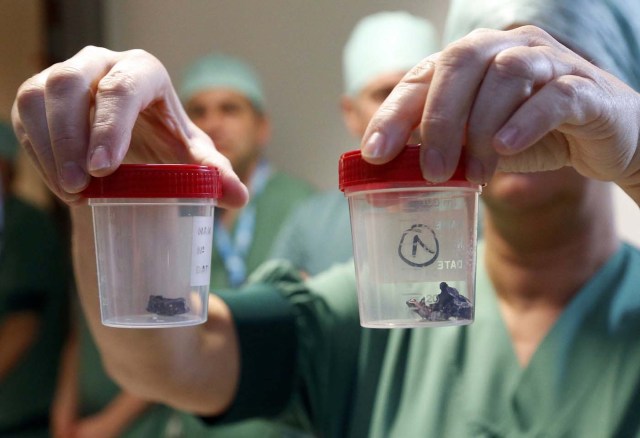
(68, 98)
(391, 126)
(132, 85)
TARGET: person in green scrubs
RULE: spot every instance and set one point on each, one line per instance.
(34, 281)
(381, 48)
(553, 349)
(224, 97)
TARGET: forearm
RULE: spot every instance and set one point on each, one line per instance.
(17, 333)
(193, 368)
(64, 408)
(124, 409)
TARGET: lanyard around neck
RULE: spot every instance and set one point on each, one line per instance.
(235, 249)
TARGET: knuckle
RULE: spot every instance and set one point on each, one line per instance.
(533, 31)
(65, 78)
(30, 94)
(118, 83)
(569, 87)
(537, 36)
(142, 56)
(510, 64)
(435, 121)
(92, 50)
(420, 72)
(459, 54)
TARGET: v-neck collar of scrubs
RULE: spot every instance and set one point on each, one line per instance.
(551, 386)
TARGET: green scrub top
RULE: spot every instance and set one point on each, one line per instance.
(274, 204)
(317, 234)
(583, 380)
(34, 277)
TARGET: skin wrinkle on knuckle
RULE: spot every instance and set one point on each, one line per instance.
(510, 64)
(570, 89)
(63, 139)
(418, 73)
(65, 80)
(142, 57)
(459, 55)
(104, 126)
(30, 96)
(537, 35)
(392, 111)
(117, 84)
(436, 121)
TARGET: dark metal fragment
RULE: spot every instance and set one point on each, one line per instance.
(449, 304)
(167, 306)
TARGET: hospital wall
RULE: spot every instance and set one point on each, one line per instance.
(296, 45)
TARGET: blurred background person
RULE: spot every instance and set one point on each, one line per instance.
(34, 281)
(381, 48)
(223, 96)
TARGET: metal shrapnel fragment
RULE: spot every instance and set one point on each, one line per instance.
(449, 304)
(167, 306)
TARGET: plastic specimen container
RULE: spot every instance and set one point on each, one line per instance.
(414, 242)
(153, 229)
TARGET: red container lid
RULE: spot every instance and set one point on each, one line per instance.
(403, 169)
(157, 181)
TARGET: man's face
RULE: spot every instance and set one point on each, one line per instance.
(236, 128)
(359, 109)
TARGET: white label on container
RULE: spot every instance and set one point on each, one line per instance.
(201, 250)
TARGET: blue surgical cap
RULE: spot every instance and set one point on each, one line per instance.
(8, 142)
(222, 71)
(385, 42)
(607, 32)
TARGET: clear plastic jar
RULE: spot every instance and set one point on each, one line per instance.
(414, 242)
(153, 228)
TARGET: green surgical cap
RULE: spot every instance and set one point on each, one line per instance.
(606, 32)
(385, 42)
(8, 142)
(222, 71)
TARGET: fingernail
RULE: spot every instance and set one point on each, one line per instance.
(474, 170)
(508, 137)
(374, 147)
(433, 165)
(99, 159)
(73, 177)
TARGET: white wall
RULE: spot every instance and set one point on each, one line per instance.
(21, 40)
(627, 216)
(296, 45)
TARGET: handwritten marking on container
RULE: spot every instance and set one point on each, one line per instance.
(419, 246)
(201, 250)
